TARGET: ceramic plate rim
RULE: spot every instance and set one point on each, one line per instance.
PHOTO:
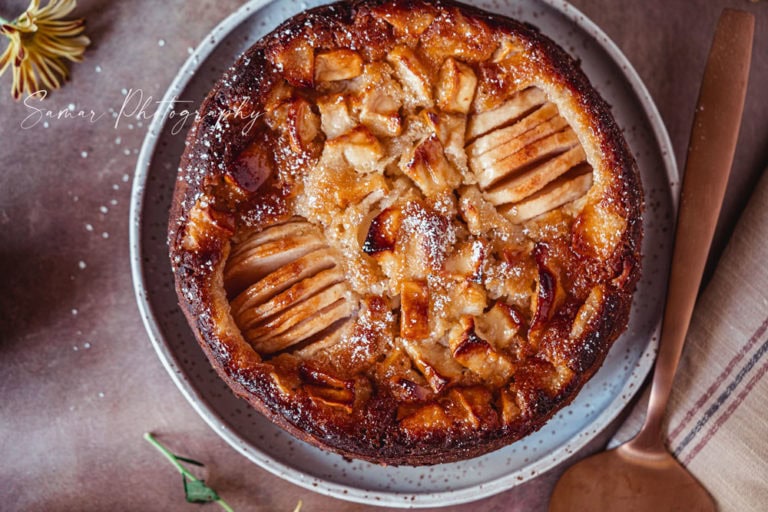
(350, 493)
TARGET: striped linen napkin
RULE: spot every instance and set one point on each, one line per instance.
(717, 421)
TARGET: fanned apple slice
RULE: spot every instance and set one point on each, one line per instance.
(299, 312)
(519, 187)
(260, 261)
(283, 278)
(309, 325)
(561, 191)
(297, 293)
(280, 231)
(324, 339)
(516, 153)
(498, 137)
(508, 111)
(528, 157)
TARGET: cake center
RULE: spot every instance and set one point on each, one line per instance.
(417, 190)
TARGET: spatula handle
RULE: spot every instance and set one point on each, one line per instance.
(710, 156)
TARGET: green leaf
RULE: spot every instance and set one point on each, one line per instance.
(197, 492)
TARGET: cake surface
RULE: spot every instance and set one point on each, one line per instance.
(406, 231)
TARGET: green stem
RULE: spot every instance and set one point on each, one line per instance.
(172, 458)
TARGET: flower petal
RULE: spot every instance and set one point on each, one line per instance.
(5, 59)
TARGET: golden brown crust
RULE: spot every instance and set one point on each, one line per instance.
(383, 396)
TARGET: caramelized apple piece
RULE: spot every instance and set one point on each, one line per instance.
(467, 260)
(507, 49)
(450, 130)
(407, 19)
(412, 74)
(428, 417)
(466, 298)
(383, 232)
(482, 217)
(359, 147)
(434, 361)
(414, 310)
(407, 390)
(476, 354)
(471, 405)
(326, 389)
(510, 411)
(204, 223)
(456, 87)
(549, 291)
(429, 168)
(302, 123)
(509, 111)
(335, 118)
(295, 60)
(397, 369)
(499, 325)
(251, 168)
(587, 312)
(337, 65)
(380, 113)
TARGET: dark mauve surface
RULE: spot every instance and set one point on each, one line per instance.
(79, 380)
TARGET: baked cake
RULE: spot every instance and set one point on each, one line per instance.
(405, 231)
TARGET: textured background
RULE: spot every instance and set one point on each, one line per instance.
(79, 381)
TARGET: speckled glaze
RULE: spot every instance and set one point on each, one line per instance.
(267, 445)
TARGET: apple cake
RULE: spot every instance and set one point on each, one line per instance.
(406, 232)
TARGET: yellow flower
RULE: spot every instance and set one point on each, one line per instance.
(39, 42)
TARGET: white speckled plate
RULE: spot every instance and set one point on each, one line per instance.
(599, 402)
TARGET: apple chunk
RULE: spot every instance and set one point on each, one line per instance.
(456, 87)
(337, 65)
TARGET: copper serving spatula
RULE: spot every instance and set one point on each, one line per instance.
(642, 475)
